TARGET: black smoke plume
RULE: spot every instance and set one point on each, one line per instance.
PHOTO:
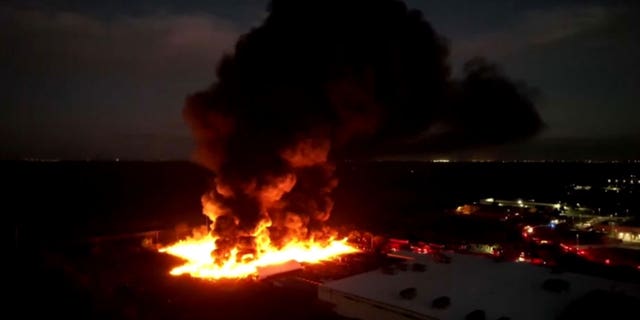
(321, 80)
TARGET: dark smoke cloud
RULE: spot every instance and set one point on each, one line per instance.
(483, 108)
(326, 79)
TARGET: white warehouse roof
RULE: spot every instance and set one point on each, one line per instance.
(513, 290)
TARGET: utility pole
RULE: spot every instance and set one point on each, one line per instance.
(612, 229)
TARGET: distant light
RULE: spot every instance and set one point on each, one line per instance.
(520, 201)
(489, 200)
(607, 261)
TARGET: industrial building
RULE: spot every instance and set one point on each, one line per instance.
(430, 287)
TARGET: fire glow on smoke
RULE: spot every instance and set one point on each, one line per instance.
(297, 94)
(231, 249)
(201, 263)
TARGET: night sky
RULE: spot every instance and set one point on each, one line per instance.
(108, 79)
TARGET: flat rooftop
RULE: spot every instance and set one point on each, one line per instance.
(507, 289)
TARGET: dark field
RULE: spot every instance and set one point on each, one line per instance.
(63, 200)
(58, 210)
(124, 281)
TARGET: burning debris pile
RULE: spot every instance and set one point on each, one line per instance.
(322, 80)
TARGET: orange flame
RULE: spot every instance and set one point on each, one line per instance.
(200, 263)
(203, 259)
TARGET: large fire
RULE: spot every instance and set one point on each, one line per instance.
(285, 203)
(201, 263)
